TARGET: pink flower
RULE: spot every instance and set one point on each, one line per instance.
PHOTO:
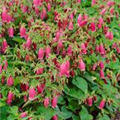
(60, 44)
(40, 54)
(9, 98)
(78, 1)
(4, 46)
(49, 7)
(39, 71)
(103, 11)
(64, 69)
(10, 81)
(81, 65)
(84, 50)
(54, 102)
(94, 66)
(102, 104)
(24, 114)
(69, 50)
(43, 14)
(36, 2)
(92, 27)
(110, 3)
(22, 32)
(47, 51)
(111, 11)
(11, 32)
(83, 23)
(102, 74)
(40, 88)
(24, 87)
(0, 69)
(32, 93)
(90, 101)
(4, 15)
(79, 20)
(55, 117)
(109, 35)
(24, 8)
(70, 27)
(46, 102)
(37, 10)
(57, 35)
(101, 64)
(28, 43)
(101, 49)
(93, 2)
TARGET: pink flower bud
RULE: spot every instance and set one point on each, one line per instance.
(81, 65)
(101, 64)
(79, 20)
(78, 1)
(102, 74)
(111, 11)
(43, 14)
(103, 11)
(11, 31)
(40, 88)
(22, 32)
(3, 80)
(83, 23)
(102, 104)
(90, 101)
(64, 69)
(36, 2)
(109, 35)
(24, 114)
(4, 15)
(24, 8)
(39, 71)
(54, 102)
(32, 93)
(69, 50)
(28, 43)
(94, 66)
(49, 7)
(93, 2)
(25, 98)
(9, 98)
(84, 50)
(70, 27)
(40, 54)
(37, 10)
(24, 87)
(46, 102)
(60, 44)
(4, 46)
(55, 117)
(97, 48)
(0, 69)
(10, 81)
(101, 49)
(47, 51)
(57, 35)
(92, 27)
(110, 3)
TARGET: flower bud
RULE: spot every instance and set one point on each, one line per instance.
(32, 93)
(90, 101)
(9, 98)
(40, 54)
(102, 74)
(24, 114)
(54, 102)
(11, 32)
(0, 69)
(70, 27)
(81, 65)
(22, 32)
(46, 102)
(55, 117)
(47, 51)
(102, 104)
(10, 81)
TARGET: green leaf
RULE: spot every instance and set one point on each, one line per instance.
(81, 84)
(104, 117)
(84, 115)
(47, 113)
(67, 114)
(75, 117)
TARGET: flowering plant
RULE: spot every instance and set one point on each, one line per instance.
(59, 59)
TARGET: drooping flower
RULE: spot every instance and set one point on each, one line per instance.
(81, 65)
(55, 117)
(43, 14)
(36, 3)
(49, 7)
(109, 35)
(110, 3)
(102, 104)
(10, 81)
(70, 27)
(103, 11)
(84, 49)
(101, 49)
(40, 88)
(69, 50)
(40, 54)
(54, 102)
(90, 101)
(46, 102)
(92, 27)
(102, 74)
(64, 69)
(23, 114)
(101, 64)
(39, 71)
(79, 20)
(0, 69)
(47, 51)
(4, 46)
(9, 98)
(11, 32)
(22, 31)
(28, 43)
(32, 93)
